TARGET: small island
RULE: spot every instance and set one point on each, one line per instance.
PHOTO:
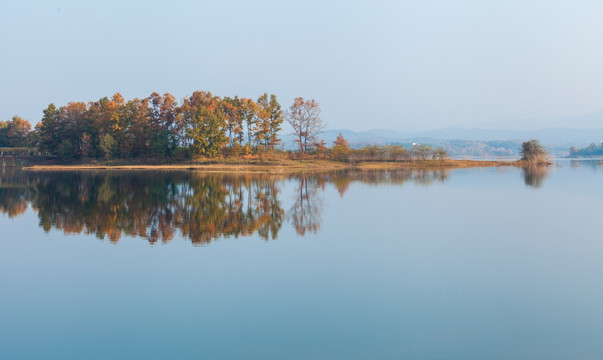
(206, 132)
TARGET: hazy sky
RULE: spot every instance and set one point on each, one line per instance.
(403, 65)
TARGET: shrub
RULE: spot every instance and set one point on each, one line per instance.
(533, 152)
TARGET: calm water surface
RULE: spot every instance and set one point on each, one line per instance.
(496, 263)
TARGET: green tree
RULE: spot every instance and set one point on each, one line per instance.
(72, 119)
(270, 119)
(107, 146)
(4, 134)
(50, 130)
(138, 131)
(205, 123)
(165, 125)
(230, 108)
(248, 112)
(106, 116)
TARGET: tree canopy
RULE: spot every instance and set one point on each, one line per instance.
(156, 126)
(15, 133)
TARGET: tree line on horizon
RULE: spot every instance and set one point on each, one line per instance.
(159, 126)
(202, 124)
(592, 150)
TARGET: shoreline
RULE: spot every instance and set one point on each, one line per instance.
(281, 166)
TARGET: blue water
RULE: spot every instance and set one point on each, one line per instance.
(459, 264)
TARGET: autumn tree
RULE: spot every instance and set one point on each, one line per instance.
(107, 116)
(205, 123)
(230, 109)
(271, 120)
(157, 126)
(166, 129)
(15, 133)
(239, 119)
(248, 112)
(340, 147)
(341, 141)
(138, 130)
(73, 119)
(320, 147)
(262, 128)
(304, 118)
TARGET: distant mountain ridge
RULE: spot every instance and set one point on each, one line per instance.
(463, 142)
(549, 136)
(592, 120)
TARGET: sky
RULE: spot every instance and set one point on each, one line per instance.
(401, 65)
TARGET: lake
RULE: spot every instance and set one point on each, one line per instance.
(480, 263)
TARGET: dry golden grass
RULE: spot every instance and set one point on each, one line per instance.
(279, 165)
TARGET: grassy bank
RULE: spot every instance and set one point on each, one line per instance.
(276, 166)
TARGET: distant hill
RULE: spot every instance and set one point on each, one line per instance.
(478, 143)
(550, 136)
(593, 150)
(583, 121)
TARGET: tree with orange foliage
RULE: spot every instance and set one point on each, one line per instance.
(341, 141)
(14, 133)
(271, 120)
(340, 147)
(230, 108)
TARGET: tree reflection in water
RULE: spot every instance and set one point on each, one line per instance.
(159, 206)
(16, 192)
(306, 214)
(534, 175)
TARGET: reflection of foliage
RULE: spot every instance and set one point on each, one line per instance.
(223, 206)
(421, 176)
(201, 207)
(534, 175)
(15, 192)
(12, 201)
(342, 183)
(305, 215)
